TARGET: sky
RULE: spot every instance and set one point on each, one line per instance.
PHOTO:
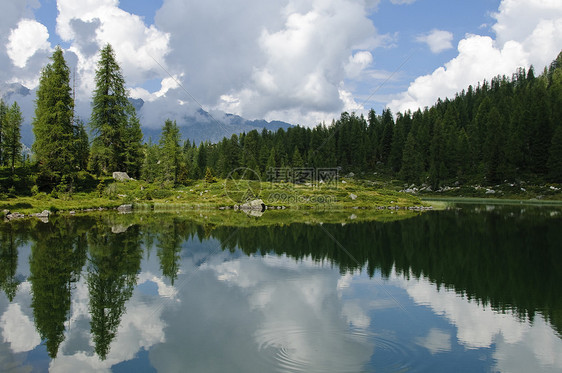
(300, 61)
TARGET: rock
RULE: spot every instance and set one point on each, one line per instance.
(352, 196)
(15, 215)
(125, 208)
(490, 191)
(72, 212)
(343, 182)
(353, 217)
(121, 176)
(44, 214)
(256, 205)
(351, 174)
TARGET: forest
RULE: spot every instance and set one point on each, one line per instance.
(505, 130)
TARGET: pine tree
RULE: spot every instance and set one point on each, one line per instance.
(53, 128)
(113, 120)
(555, 159)
(209, 177)
(412, 167)
(149, 171)
(297, 160)
(271, 162)
(3, 112)
(82, 144)
(170, 151)
(133, 144)
(12, 137)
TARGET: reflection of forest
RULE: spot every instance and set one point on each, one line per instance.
(505, 258)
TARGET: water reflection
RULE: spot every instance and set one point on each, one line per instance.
(478, 287)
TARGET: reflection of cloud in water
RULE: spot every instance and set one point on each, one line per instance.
(517, 342)
(141, 327)
(263, 314)
(436, 341)
(18, 329)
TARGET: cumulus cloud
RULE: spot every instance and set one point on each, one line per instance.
(357, 63)
(400, 2)
(437, 40)
(527, 32)
(89, 25)
(25, 40)
(276, 60)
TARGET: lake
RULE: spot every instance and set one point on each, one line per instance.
(471, 288)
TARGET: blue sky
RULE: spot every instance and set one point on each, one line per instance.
(293, 60)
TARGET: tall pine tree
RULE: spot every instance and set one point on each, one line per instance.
(12, 136)
(116, 129)
(53, 128)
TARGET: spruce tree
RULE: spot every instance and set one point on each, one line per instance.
(3, 111)
(133, 150)
(150, 165)
(53, 128)
(113, 121)
(555, 159)
(170, 151)
(297, 159)
(412, 167)
(82, 144)
(12, 136)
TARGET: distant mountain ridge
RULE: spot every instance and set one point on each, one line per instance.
(202, 126)
(197, 127)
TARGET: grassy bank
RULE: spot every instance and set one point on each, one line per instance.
(347, 194)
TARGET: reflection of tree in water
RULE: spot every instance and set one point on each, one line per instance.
(112, 274)
(10, 240)
(57, 257)
(170, 237)
(505, 258)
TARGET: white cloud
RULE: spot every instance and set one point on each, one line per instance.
(401, 2)
(437, 40)
(276, 60)
(357, 63)
(89, 25)
(25, 40)
(527, 32)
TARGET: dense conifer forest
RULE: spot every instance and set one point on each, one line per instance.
(505, 130)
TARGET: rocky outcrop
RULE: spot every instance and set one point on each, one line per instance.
(121, 176)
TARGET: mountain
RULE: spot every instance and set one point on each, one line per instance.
(199, 126)
(202, 126)
(7, 90)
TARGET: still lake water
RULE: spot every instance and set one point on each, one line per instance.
(473, 288)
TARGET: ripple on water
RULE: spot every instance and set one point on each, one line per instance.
(300, 349)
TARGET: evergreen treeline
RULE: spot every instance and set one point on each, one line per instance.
(508, 129)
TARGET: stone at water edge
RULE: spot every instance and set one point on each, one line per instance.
(256, 204)
(125, 208)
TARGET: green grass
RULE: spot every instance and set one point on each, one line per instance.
(204, 196)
